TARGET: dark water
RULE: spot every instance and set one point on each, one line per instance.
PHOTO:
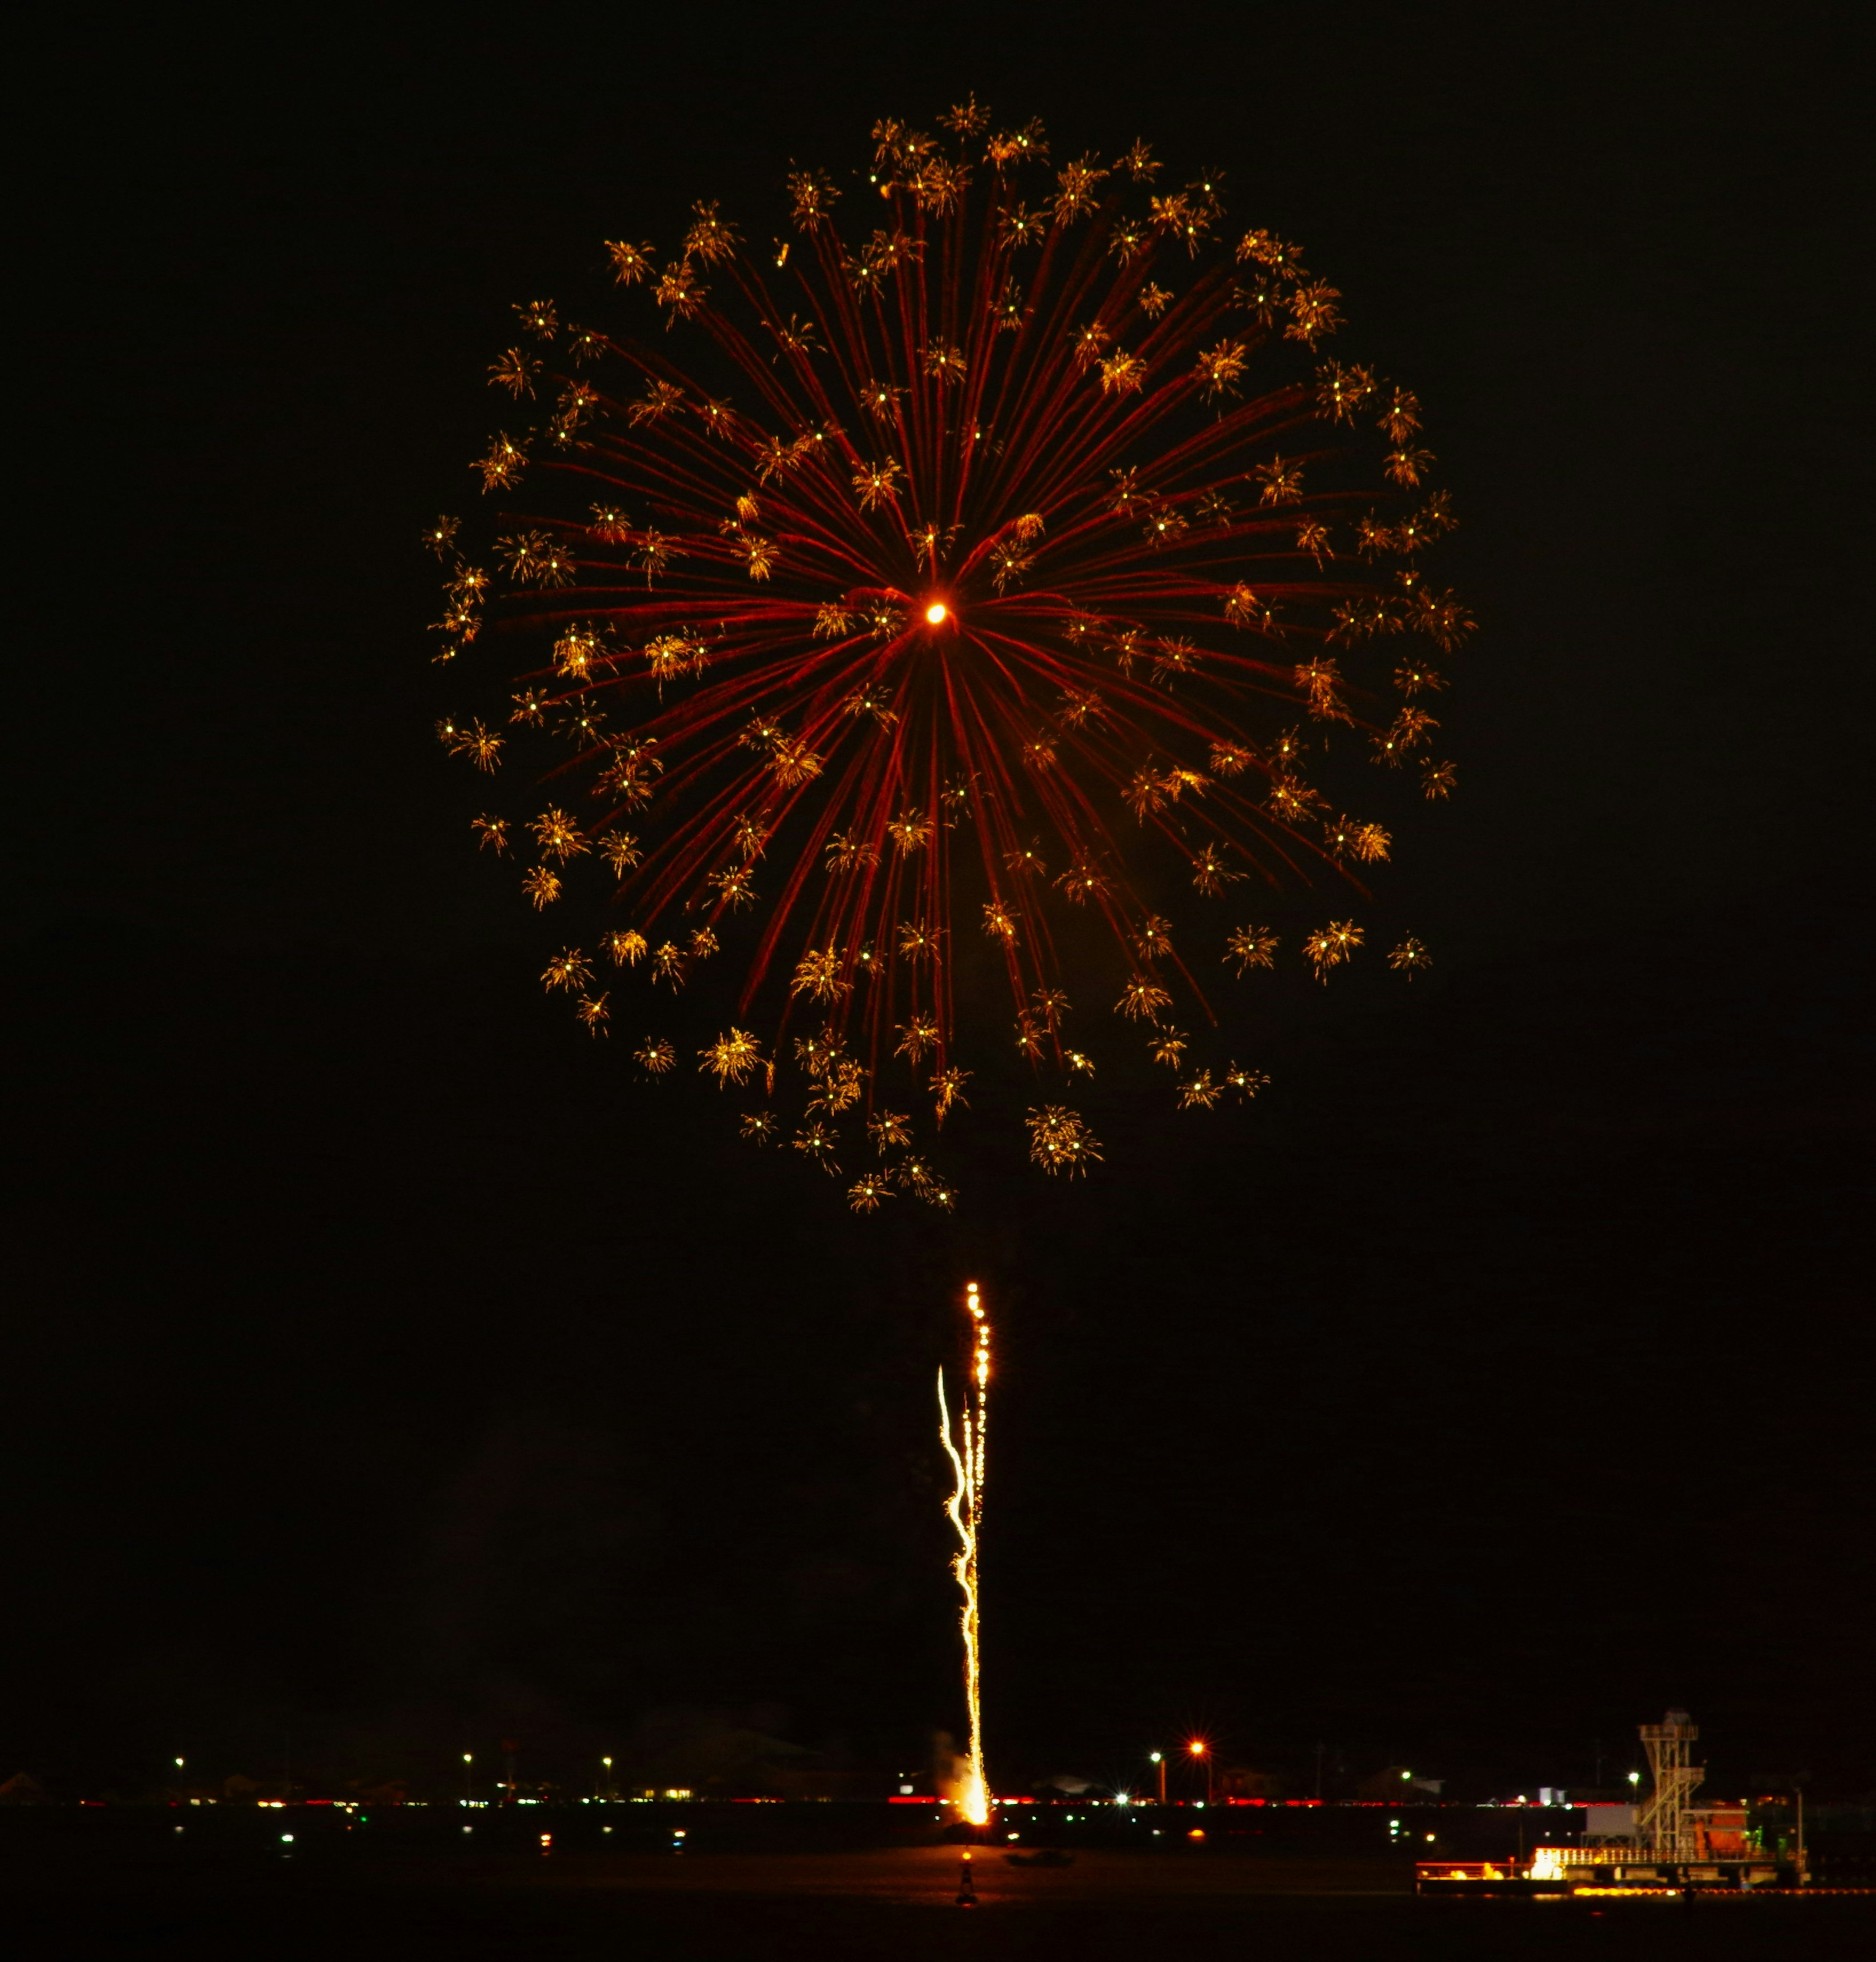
(72, 1899)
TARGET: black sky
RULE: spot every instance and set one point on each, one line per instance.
(381, 1370)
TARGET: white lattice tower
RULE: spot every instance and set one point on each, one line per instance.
(1662, 1828)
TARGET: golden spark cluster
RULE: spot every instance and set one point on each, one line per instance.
(994, 536)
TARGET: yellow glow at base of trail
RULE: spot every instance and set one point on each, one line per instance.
(965, 1510)
(938, 613)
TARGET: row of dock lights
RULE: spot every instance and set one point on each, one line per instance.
(1197, 1749)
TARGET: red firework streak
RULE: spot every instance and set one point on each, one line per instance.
(970, 566)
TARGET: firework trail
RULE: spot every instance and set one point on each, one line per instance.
(1002, 588)
(965, 1510)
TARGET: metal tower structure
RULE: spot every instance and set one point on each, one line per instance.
(1662, 1828)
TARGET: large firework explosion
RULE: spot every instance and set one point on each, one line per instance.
(1016, 550)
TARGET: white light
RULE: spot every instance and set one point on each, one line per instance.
(286, 1838)
(936, 613)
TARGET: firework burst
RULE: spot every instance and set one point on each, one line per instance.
(909, 597)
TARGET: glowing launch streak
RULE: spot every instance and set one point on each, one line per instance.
(966, 1511)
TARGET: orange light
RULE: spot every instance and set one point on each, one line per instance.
(938, 613)
(1197, 1747)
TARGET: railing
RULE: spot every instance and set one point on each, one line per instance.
(1609, 1853)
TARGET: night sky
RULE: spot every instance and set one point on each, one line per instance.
(387, 1371)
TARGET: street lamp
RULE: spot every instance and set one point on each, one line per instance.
(1199, 1748)
(1160, 1762)
(606, 1790)
(468, 1777)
